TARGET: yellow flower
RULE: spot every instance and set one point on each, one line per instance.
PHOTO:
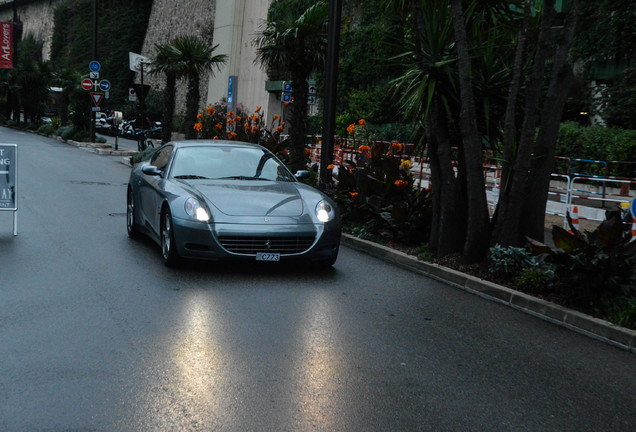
(406, 164)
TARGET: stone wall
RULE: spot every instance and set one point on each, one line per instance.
(170, 19)
(37, 20)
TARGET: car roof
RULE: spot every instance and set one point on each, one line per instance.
(212, 143)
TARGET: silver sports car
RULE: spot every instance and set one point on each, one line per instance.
(215, 200)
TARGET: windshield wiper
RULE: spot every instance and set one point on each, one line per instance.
(191, 177)
(243, 178)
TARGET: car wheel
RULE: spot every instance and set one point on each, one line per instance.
(130, 216)
(168, 246)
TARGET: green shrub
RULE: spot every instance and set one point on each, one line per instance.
(46, 129)
(66, 132)
(591, 269)
(621, 312)
(509, 262)
(534, 280)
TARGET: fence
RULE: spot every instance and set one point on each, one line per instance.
(584, 182)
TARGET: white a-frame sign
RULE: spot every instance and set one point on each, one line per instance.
(9, 181)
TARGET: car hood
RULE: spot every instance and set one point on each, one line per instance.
(252, 198)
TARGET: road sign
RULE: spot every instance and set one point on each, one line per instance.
(135, 61)
(94, 66)
(287, 97)
(312, 89)
(132, 95)
(96, 98)
(87, 84)
(94, 75)
(311, 100)
(104, 85)
(287, 86)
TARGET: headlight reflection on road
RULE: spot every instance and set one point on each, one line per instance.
(198, 359)
(321, 366)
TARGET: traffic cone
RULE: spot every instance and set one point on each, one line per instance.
(575, 219)
(634, 229)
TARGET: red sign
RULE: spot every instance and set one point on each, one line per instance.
(87, 84)
(97, 98)
(6, 45)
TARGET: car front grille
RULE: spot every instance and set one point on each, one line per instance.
(252, 245)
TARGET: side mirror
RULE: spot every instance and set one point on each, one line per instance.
(151, 170)
(302, 174)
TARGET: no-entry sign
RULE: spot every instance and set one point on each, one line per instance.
(87, 84)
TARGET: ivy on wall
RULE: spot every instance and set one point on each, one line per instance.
(121, 28)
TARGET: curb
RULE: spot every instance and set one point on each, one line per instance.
(103, 149)
(587, 325)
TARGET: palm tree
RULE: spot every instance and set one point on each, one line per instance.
(296, 47)
(189, 57)
(163, 62)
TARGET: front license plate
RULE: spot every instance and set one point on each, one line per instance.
(266, 256)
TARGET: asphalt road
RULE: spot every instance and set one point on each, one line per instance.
(97, 335)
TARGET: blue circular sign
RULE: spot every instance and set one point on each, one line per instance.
(104, 85)
(94, 66)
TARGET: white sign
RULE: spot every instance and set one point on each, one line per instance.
(9, 181)
(132, 95)
(136, 60)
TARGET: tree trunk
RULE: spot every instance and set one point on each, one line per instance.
(192, 105)
(168, 108)
(560, 84)
(478, 224)
(298, 127)
(507, 230)
(448, 227)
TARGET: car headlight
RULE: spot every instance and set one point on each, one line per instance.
(194, 209)
(324, 212)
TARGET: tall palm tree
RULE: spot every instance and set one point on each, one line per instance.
(296, 47)
(189, 57)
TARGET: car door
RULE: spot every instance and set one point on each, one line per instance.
(151, 190)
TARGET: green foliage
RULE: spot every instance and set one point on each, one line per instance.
(535, 279)
(621, 107)
(621, 311)
(143, 156)
(47, 130)
(119, 21)
(598, 143)
(66, 132)
(593, 268)
(509, 262)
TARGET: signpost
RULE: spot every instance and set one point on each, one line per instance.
(9, 181)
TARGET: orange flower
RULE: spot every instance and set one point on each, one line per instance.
(362, 122)
(230, 114)
(210, 110)
(285, 104)
(279, 128)
(397, 146)
(257, 108)
(351, 128)
(353, 194)
(276, 117)
(198, 127)
(215, 137)
(246, 125)
(254, 129)
(364, 149)
(401, 183)
(330, 167)
(238, 118)
(199, 115)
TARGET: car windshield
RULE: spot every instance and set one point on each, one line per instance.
(228, 162)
